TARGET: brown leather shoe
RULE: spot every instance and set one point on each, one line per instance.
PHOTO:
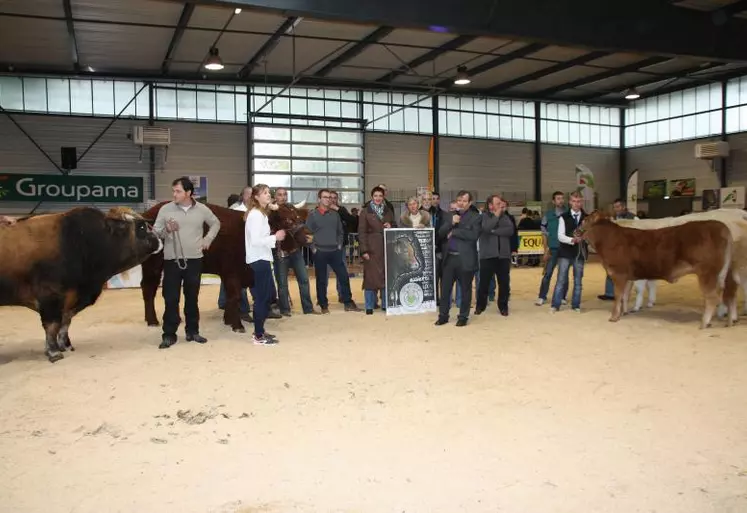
(352, 307)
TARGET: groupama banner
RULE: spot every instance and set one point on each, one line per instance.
(71, 188)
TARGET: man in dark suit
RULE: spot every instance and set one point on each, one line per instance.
(431, 204)
(460, 231)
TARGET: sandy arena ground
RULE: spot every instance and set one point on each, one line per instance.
(536, 413)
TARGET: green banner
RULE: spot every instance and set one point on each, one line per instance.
(71, 188)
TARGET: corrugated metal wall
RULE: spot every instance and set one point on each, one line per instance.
(486, 166)
(113, 154)
(673, 161)
(397, 160)
(737, 168)
(205, 149)
(559, 170)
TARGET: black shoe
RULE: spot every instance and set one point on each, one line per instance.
(441, 322)
(478, 311)
(605, 297)
(272, 314)
(461, 322)
(369, 311)
(247, 317)
(352, 307)
(504, 312)
(285, 314)
(167, 341)
(196, 337)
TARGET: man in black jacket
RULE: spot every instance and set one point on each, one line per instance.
(460, 232)
(495, 254)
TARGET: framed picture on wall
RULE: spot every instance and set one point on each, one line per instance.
(682, 187)
(654, 189)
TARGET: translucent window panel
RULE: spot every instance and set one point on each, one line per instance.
(552, 132)
(662, 107)
(615, 137)
(11, 93)
(368, 112)
(350, 110)
(688, 127)
(309, 135)
(225, 105)
(345, 152)
(662, 131)
(493, 106)
(332, 94)
(505, 107)
(351, 198)
(605, 136)
(614, 116)
(604, 116)
(505, 127)
(345, 167)
(274, 165)
(675, 129)
(594, 114)
(206, 106)
(81, 97)
(316, 107)
(563, 132)
(583, 114)
(307, 150)
(241, 107)
(281, 105)
(676, 106)
(332, 109)
(274, 180)
(596, 135)
(688, 101)
(35, 94)
(732, 92)
(517, 108)
(123, 93)
(309, 182)
(467, 104)
(273, 150)
(573, 113)
(743, 118)
(310, 196)
(562, 112)
(58, 96)
(453, 123)
(517, 128)
(411, 120)
(453, 103)
(716, 100)
(629, 136)
(574, 133)
(480, 105)
(743, 91)
(380, 98)
(298, 106)
(426, 121)
(494, 130)
(272, 133)
(309, 166)
(350, 96)
(529, 130)
(397, 121)
(335, 136)
(732, 119)
(702, 125)
(103, 97)
(467, 124)
(481, 125)
(345, 182)
(186, 104)
(380, 115)
(442, 122)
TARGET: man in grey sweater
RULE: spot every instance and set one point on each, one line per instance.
(180, 223)
(495, 253)
(326, 226)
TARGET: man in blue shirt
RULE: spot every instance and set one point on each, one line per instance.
(549, 229)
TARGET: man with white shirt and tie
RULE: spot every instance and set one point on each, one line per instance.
(572, 252)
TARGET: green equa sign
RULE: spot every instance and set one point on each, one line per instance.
(71, 188)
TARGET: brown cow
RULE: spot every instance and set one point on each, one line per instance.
(703, 248)
(226, 258)
(58, 264)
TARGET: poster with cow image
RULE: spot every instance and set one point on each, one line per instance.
(409, 265)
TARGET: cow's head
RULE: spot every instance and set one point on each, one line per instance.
(291, 219)
(133, 234)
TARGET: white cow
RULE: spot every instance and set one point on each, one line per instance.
(734, 219)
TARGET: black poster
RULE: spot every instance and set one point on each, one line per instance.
(410, 270)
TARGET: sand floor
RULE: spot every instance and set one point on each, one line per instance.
(534, 413)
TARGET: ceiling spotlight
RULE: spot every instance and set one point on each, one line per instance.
(462, 77)
(632, 94)
(237, 10)
(214, 62)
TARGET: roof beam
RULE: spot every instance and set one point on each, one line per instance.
(176, 38)
(71, 33)
(355, 50)
(638, 26)
(561, 66)
(717, 77)
(268, 46)
(630, 68)
(498, 61)
(428, 56)
(654, 80)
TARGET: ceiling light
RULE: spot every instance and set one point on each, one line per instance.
(632, 94)
(214, 62)
(237, 10)
(462, 77)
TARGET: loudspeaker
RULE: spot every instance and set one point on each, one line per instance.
(69, 157)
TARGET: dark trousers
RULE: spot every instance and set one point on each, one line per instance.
(439, 265)
(455, 271)
(261, 293)
(334, 259)
(173, 281)
(501, 269)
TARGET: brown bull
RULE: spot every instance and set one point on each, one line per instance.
(226, 258)
(703, 248)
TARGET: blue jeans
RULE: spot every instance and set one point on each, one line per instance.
(564, 265)
(333, 259)
(547, 276)
(293, 261)
(262, 293)
(609, 287)
(370, 297)
(243, 300)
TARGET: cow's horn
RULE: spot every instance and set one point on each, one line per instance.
(300, 205)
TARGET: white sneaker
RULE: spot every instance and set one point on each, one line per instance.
(539, 301)
(577, 310)
(553, 310)
(564, 302)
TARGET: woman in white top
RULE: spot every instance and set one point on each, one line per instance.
(259, 244)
